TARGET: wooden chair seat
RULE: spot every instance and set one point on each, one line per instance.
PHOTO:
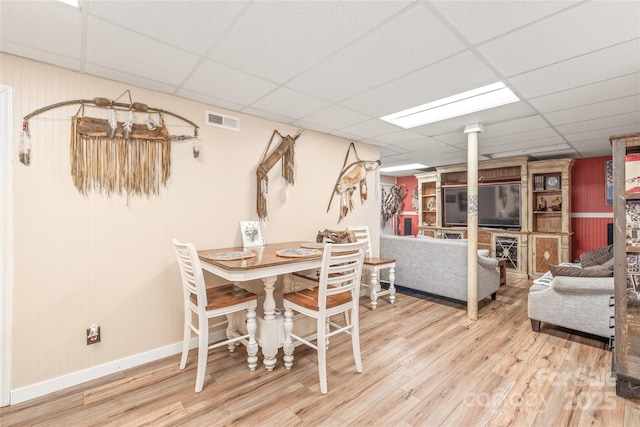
(225, 296)
(308, 298)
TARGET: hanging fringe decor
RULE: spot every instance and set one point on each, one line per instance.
(284, 151)
(112, 106)
(136, 162)
(116, 157)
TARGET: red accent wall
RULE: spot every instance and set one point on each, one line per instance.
(588, 198)
(408, 182)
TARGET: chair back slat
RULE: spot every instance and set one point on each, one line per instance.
(362, 235)
(193, 283)
(341, 271)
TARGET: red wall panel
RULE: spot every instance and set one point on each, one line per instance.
(409, 183)
(590, 213)
(588, 190)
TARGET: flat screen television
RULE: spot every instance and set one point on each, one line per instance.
(498, 205)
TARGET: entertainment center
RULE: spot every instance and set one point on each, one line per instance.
(524, 210)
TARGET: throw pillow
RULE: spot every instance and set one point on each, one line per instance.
(597, 256)
(561, 270)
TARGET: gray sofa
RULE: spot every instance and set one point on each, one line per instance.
(580, 303)
(438, 266)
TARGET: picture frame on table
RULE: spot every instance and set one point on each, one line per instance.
(251, 234)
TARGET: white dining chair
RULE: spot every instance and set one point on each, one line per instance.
(337, 293)
(204, 303)
(372, 267)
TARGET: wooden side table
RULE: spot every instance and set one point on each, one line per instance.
(502, 267)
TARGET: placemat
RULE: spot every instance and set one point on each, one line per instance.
(230, 256)
(312, 245)
(297, 253)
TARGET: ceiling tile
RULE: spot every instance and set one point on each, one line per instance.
(426, 144)
(268, 115)
(603, 134)
(514, 138)
(398, 137)
(593, 147)
(487, 117)
(135, 54)
(210, 100)
(498, 17)
(452, 75)
(117, 75)
(32, 29)
(524, 124)
(620, 60)
(602, 123)
(531, 145)
(336, 117)
(563, 36)
(371, 128)
(289, 103)
(396, 48)
(277, 40)
(601, 91)
(624, 105)
(222, 82)
(193, 27)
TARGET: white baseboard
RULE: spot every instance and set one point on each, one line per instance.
(56, 384)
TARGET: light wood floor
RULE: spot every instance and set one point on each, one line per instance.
(425, 364)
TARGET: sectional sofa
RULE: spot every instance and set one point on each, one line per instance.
(438, 266)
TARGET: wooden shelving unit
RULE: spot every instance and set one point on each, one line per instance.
(626, 273)
(544, 235)
(429, 199)
(550, 214)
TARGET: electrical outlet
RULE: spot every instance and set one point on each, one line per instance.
(93, 334)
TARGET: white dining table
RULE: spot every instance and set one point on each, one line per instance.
(266, 265)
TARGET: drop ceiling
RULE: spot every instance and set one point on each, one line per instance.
(336, 67)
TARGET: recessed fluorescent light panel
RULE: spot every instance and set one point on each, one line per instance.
(403, 167)
(483, 98)
(73, 3)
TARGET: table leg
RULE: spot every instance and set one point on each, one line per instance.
(287, 283)
(271, 333)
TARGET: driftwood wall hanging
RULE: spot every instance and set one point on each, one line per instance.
(285, 151)
(114, 156)
(351, 176)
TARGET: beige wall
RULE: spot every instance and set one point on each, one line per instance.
(97, 259)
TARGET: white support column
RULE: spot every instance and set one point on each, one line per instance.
(472, 218)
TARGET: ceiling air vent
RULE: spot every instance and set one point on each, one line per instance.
(222, 120)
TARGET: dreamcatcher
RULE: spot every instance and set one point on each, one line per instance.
(393, 202)
(352, 176)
